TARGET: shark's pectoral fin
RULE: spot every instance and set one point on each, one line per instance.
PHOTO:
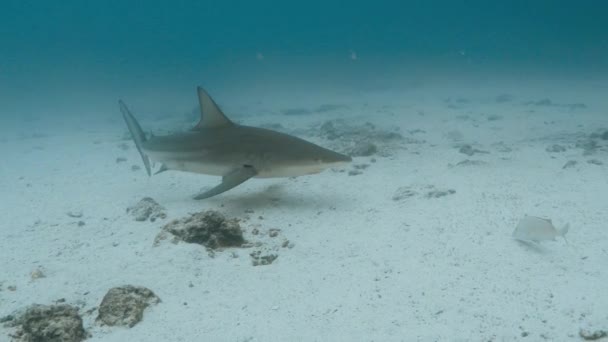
(229, 181)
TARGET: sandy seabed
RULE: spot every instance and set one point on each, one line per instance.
(416, 245)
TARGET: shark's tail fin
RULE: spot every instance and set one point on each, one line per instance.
(137, 133)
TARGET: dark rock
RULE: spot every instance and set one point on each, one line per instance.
(469, 150)
(257, 259)
(208, 228)
(569, 164)
(7, 318)
(589, 146)
(555, 148)
(125, 305)
(595, 162)
(439, 193)
(361, 166)
(469, 162)
(50, 323)
(403, 192)
(604, 135)
(147, 209)
(494, 117)
(592, 335)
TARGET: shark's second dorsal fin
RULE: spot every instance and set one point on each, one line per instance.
(211, 114)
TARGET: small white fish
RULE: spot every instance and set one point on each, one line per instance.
(537, 229)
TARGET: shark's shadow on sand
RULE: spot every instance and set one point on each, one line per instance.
(274, 196)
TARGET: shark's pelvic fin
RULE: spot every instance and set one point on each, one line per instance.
(229, 181)
(163, 168)
(211, 114)
(137, 133)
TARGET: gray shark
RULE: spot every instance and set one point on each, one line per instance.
(217, 146)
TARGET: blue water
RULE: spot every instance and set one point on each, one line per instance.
(97, 51)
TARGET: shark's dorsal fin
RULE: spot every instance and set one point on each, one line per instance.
(211, 114)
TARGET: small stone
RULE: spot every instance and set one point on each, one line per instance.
(354, 172)
(403, 192)
(74, 214)
(361, 166)
(555, 148)
(439, 193)
(135, 167)
(569, 164)
(595, 162)
(120, 160)
(147, 209)
(259, 260)
(604, 135)
(469, 162)
(273, 232)
(37, 274)
(125, 305)
(12, 288)
(494, 117)
(469, 150)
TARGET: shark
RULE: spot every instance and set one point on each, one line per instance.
(218, 146)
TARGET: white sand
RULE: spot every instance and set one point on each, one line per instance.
(364, 267)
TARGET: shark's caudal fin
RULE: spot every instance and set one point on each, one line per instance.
(137, 133)
(211, 114)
